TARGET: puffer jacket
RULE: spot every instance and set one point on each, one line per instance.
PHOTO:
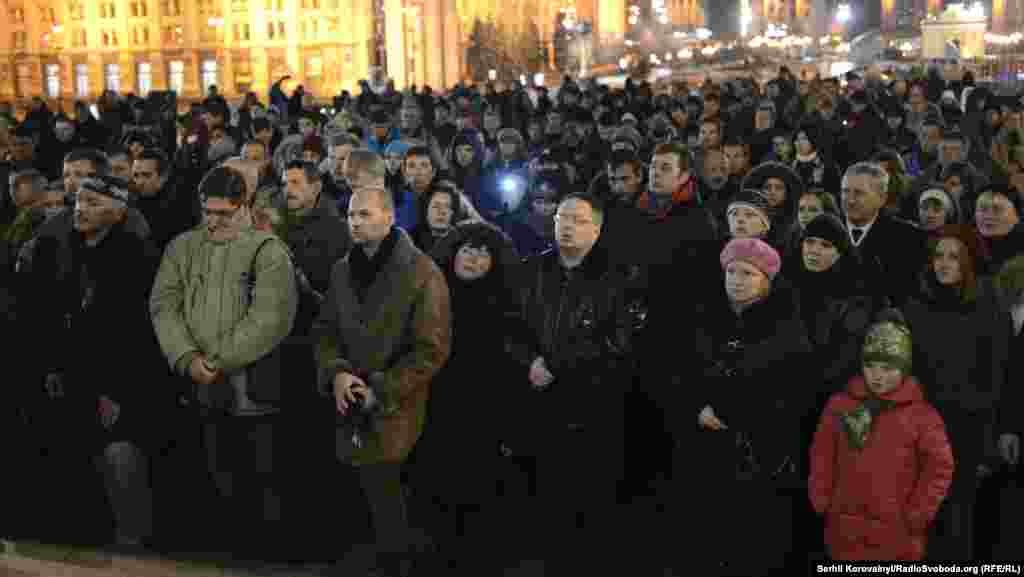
(234, 302)
(879, 501)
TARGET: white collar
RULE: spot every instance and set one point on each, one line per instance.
(866, 228)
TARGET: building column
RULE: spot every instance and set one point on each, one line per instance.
(97, 78)
(158, 70)
(433, 36)
(129, 74)
(227, 71)
(454, 56)
(67, 76)
(260, 71)
(611, 19)
(394, 37)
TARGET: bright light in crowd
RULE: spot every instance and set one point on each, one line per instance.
(745, 17)
(703, 34)
(843, 13)
(623, 62)
(538, 79)
(492, 74)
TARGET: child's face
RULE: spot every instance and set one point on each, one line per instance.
(882, 378)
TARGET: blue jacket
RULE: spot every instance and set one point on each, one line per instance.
(379, 147)
(407, 210)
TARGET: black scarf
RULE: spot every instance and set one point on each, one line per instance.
(364, 270)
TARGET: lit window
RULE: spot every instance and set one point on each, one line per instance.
(82, 80)
(208, 76)
(53, 80)
(176, 76)
(145, 78)
(113, 77)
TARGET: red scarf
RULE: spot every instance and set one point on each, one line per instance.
(682, 195)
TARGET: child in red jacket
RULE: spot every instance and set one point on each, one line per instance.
(880, 461)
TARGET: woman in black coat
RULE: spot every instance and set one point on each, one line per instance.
(752, 388)
(961, 349)
(459, 454)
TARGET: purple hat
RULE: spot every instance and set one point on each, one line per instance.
(753, 251)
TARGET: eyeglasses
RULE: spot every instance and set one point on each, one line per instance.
(572, 219)
(221, 214)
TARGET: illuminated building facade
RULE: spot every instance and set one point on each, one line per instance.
(71, 49)
(68, 49)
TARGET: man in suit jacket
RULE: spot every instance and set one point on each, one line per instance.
(890, 252)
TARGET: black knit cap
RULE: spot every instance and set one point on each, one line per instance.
(827, 227)
(753, 198)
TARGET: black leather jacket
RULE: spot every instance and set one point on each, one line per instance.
(582, 322)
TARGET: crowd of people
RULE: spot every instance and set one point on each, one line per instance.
(782, 316)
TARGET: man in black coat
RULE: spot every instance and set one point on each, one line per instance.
(170, 209)
(576, 351)
(890, 252)
(88, 284)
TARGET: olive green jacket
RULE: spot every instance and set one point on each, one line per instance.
(233, 302)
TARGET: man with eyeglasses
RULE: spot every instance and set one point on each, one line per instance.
(224, 300)
(576, 356)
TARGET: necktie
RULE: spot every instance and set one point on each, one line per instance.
(857, 233)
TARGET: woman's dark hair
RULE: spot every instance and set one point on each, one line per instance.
(224, 182)
(444, 187)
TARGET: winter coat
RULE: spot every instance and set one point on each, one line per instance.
(399, 338)
(889, 273)
(460, 442)
(79, 297)
(317, 240)
(754, 370)
(837, 317)
(960, 348)
(234, 302)
(582, 324)
(879, 501)
(173, 211)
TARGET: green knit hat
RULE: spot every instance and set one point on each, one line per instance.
(888, 341)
